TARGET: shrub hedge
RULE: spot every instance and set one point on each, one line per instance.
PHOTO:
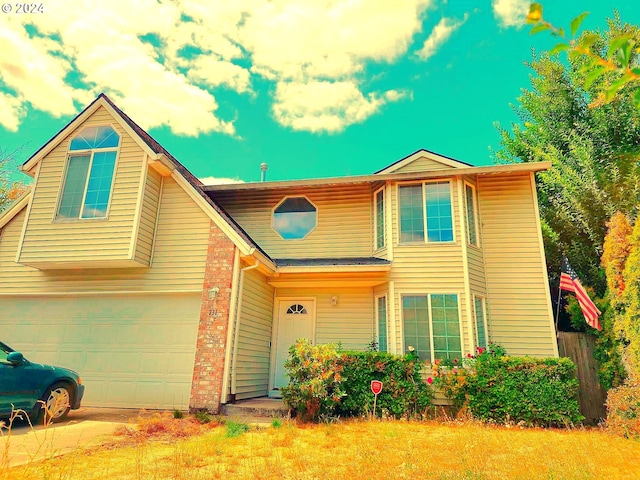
(502, 389)
(326, 382)
(623, 410)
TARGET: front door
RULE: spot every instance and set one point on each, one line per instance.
(296, 319)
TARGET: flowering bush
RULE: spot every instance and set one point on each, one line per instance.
(498, 388)
(325, 382)
(316, 379)
(623, 410)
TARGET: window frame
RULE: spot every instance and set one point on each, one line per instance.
(284, 199)
(386, 320)
(474, 201)
(430, 313)
(425, 239)
(482, 298)
(78, 153)
(381, 190)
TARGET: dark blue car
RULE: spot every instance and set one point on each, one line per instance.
(43, 391)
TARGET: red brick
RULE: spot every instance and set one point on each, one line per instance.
(206, 387)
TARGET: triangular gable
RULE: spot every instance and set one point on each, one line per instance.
(100, 101)
(156, 153)
(423, 161)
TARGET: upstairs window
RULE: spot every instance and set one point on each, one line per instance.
(472, 230)
(294, 218)
(89, 176)
(426, 208)
(379, 220)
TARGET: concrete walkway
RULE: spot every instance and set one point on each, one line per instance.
(85, 427)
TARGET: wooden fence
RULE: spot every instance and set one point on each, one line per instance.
(579, 348)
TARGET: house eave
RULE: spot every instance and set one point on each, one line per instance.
(383, 177)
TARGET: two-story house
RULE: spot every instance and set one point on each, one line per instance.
(166, 293)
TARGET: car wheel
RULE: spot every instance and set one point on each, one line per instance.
(54, 404)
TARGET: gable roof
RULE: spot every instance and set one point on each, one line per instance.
(155, 152)
(422, 153)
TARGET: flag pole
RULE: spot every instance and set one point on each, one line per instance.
(558, 306)
(559, 294)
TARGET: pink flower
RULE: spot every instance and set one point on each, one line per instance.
(469, 355)
(429, 380)
(455, 360)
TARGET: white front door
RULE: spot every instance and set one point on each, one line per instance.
(296, 319)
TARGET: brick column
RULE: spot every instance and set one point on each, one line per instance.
(206, 388)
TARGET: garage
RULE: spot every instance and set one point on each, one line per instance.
(132, 351)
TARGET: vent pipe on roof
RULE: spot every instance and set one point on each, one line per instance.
(263, 167)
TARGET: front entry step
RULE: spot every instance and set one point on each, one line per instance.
(256, 407)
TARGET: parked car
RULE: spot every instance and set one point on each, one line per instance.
(42, 391)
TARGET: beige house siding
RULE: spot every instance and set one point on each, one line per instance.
(148, 217)
(345, 225)
(178, 265)
(251, 377)
(46, 240)
(518, 308)
(349, 322)
(426, 268)
(420, 165)
(476, 271)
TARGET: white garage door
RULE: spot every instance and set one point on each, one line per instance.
(133, 351)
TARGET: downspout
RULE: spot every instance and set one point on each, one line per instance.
(233, 308)
(236, 339)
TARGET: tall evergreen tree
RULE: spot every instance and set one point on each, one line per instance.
(594, 148)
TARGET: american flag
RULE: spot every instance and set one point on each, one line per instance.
(569, 281)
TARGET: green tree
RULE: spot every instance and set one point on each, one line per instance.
(594, 150)
(9, 191)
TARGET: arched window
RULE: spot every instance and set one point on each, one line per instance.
(297, 309)
(89, 176)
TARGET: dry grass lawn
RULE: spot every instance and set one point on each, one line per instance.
(353, 450)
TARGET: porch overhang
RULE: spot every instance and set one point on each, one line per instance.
(330, 272)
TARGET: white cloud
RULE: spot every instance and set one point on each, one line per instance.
(511, 13)
(164, 62)
(220, 180)
(322, 106)
(440, 34)
(11, 112)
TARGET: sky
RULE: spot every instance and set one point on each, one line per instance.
(314, 88)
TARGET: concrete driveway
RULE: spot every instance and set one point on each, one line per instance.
(84, 427)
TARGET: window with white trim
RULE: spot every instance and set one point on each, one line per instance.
(480, 322)
(426, 207)
(472, 227)
(379, 218)
(381, 313)
(432, 326)
(89, 176)
(294, 218)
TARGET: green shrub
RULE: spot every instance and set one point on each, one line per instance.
(623, 410)
(502, 389)
(404, 392)
(325, 383)
(315, 373)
